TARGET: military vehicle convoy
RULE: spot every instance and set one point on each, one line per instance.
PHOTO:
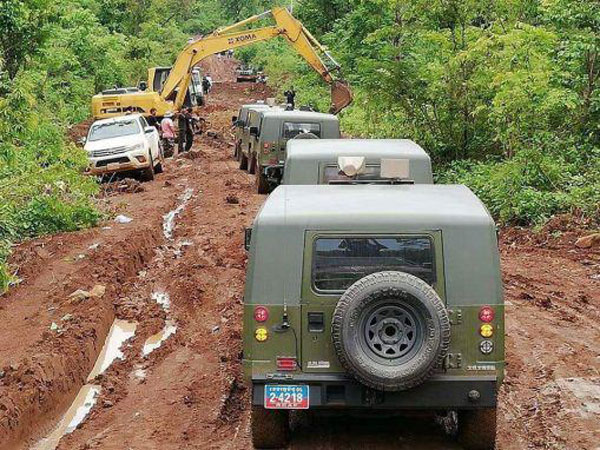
(374, 297)
(355, 161)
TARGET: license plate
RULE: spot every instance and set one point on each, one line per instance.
(281, 396)
(113, 166)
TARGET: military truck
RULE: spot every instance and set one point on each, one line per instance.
(355, 161)
(240, 124)
(267, 154)
(378, 298)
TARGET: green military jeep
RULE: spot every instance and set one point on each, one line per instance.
(267, 154)
(354, 161)
(241, 125)
(249, 139)
(374, 297)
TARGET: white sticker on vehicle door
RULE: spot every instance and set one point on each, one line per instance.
(318, 365)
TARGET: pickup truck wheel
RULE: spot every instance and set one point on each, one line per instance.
(148, 173)
(477, 429)
(262, 184)
(390, 331)
(270, 428)
(252, 165)
(243, 161)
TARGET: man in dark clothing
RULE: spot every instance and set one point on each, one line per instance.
(189, 129)
(153, 119)
(290, 97)
(182, 130)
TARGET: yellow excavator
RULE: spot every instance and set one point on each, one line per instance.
(170, 89)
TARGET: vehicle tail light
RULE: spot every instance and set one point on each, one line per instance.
(261, 314)
(266, 145)
(486, 314)
(286, 364)
(486, 330)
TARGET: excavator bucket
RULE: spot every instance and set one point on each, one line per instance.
(341, 96)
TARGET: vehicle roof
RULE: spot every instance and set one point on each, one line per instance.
(293, 215)
(118, 118)
(256, 106)
(332, 148)
(305, 157)
(372, 206)
(300, 115)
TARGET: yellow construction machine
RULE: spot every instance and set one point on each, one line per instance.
(170, 89)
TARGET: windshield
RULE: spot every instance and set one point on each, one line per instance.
(114, 129)
(339, 262)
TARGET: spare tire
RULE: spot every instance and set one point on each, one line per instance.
(390, 331)
(306, 136)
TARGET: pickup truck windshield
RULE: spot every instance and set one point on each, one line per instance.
(339, 262)
(114, 129)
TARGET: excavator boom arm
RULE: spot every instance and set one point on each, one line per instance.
(230, 38)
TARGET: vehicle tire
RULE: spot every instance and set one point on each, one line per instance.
(148, 173)
(243, 161)
(306, 136)
(159, 168)
(262, 184)
(252, 165)
(477, 429)
(270, 427)
(390, 331)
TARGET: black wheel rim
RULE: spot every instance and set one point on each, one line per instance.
(392, 332)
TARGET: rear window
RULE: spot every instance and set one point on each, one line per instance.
(293, 129)
(339, 262)
(333, 173)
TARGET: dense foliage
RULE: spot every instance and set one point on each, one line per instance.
(504, 94)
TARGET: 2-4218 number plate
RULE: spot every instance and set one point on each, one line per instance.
(279, 396)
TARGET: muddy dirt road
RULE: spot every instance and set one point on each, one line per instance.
(177, 271)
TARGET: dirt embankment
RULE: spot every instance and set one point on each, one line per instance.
(188, 393)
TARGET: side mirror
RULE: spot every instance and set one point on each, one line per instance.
(149, 130)
(82, 141)
(254, 131)
(247, 238)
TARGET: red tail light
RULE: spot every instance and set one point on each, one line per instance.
(486, 314)
(286, 364)
(261, 314)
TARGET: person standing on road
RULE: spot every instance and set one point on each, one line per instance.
(182, 131)
(167, 129)
(189, 129)
(205, 85)
(153, 119)
(290, 97)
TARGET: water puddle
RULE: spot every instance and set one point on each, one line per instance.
(120, 331)
(80, 408)
(169, 219)
(154, 342)
(163, 299)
